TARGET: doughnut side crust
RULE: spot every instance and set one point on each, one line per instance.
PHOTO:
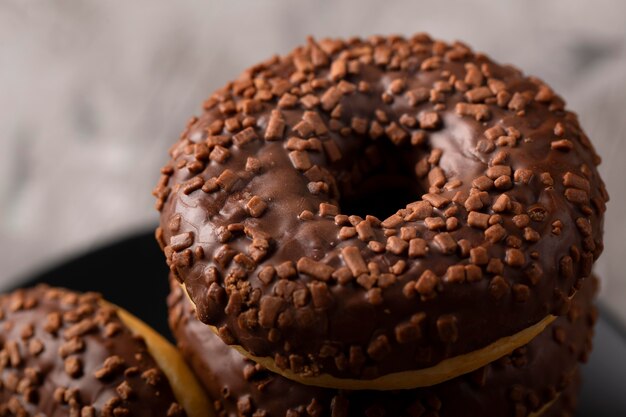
(525, 382)
(65, 353)
(441, 372)
(503, 227)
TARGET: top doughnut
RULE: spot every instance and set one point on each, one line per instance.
(360, 213)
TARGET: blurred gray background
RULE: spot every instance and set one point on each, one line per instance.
(92, 93)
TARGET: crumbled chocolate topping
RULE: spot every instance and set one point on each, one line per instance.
(502, 180)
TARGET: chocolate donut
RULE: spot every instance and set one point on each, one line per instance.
(525, 382)
(383, 213)
(69, 354)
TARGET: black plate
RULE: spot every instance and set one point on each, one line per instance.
(132, 274)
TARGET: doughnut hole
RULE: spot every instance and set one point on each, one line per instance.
(381, 181)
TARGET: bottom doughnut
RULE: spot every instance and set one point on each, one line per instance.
(69, 354)
(526, 382)
(565, 404)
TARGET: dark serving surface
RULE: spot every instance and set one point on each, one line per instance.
(132, 273)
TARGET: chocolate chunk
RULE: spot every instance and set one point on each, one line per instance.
(495, 233)
(498, 287)
(353, 259)
(379, 348)
(427, 283)
(447, 328)
(429, 120)
(315, 269)
(477, 219)
(270, 307)
(455, 274)
(300, 160)
(564, 145)
(445, 242)
(396, 245)
(479, 256)
(275, 126)
(256, 206)
(245, 136)
(181, 241)
(480, 112)
(320, 294)
(515, 258)
(111, 366)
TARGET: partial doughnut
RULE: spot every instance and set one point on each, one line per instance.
(69, 354)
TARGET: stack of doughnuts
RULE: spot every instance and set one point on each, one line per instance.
(361, 228)
(383, 227)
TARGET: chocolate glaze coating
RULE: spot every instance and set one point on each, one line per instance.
(65, 353)
(503, 222)
(515, 385)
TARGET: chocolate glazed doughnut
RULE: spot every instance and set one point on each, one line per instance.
(72, 354)
(527, 382)
(492, 211)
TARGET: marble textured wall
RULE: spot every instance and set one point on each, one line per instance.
(92, 93)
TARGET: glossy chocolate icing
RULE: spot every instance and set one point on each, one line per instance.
(504, 224)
